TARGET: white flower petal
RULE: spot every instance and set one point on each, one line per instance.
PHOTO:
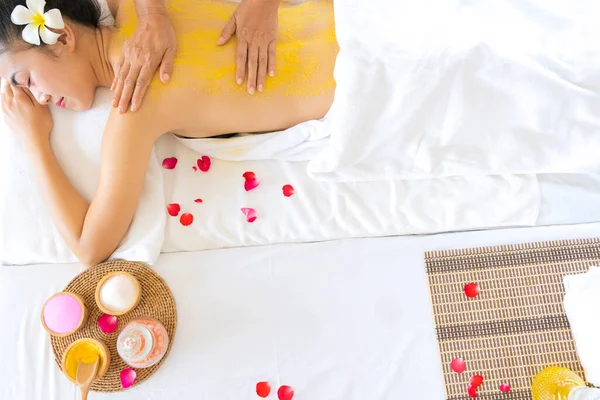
(21, 15)
(48, 36)
(31, 35)
(53, 19)
(36, 6)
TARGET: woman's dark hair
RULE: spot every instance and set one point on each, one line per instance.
(84, 12)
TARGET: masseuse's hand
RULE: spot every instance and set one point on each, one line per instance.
(152, 44)
(27, 118)
(255, 24)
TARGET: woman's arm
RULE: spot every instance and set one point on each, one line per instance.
(91, 230)
(94, 230)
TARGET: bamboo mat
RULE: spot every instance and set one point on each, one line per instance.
(516, 326)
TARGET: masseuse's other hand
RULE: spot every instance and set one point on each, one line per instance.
(255, 24)
(27, 118)
(152, 44)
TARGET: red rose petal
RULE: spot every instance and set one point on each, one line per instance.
(173, 209)
(107, 323)
(127, 377)
(472, 391)
(198, 201)
(249, 175)
(203, 163)
(169, 163)
(250, 214)
(472, 290)
(288, 190)
(476, 380)
(458, 365)
(263, 389)
(251, 184)
(186, 219)
(505, 388)
(285, 393)
(195, 168)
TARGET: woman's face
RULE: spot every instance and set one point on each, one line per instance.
(52, 75)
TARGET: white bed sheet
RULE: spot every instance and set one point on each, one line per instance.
(347, 319)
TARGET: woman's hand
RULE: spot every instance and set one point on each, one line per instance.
(255, 24)
(27, 118)
(152, 44)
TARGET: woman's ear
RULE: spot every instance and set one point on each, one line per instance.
(66, 42)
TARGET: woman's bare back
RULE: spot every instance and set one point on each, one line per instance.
(203, 99)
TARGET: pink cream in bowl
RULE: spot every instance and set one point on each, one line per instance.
(63, 314)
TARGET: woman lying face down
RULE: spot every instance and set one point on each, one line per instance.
(57, 54)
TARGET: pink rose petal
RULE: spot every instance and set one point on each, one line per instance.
(249, 175)
(251, 184)
(505, 388)
(173, 209)
(285, 393)
(472, 290)
(169, 163)
(263, 389)
(127, 377)
(198, 201)
(476, 380)
(458, 365)
(107, 323)
(288, 190)
(203, 163)
(186, 219)
(195, 168)
(472, 390)
(250, 214)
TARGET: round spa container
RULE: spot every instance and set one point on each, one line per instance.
(117, 293)
(85, 350)
(143, 342)
(64, 314)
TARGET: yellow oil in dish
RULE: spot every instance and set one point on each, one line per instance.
(86, 351)
(555, 383)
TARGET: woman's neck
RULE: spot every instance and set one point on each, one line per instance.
(96, 46)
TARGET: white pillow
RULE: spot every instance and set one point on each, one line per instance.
(443, 88)
(27, 234)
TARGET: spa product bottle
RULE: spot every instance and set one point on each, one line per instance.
(557, 383)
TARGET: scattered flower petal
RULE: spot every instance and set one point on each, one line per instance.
(107, 323)
(288, 190)
(505, 388)
(472, 290)
(198, 201)
(458, 365)
(128, 377)
(472, 391)
(250, 214)
(195, 168)
(173, 209)
(251, 184)
(203, 163)
(169, 163)
(186, 219)
(476, 380)
(263, 389)
(285, 393)
(250, 180)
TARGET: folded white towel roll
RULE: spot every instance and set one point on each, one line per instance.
(582, 306)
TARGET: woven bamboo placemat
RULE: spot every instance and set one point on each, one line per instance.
(156, 302)
(516, 326)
